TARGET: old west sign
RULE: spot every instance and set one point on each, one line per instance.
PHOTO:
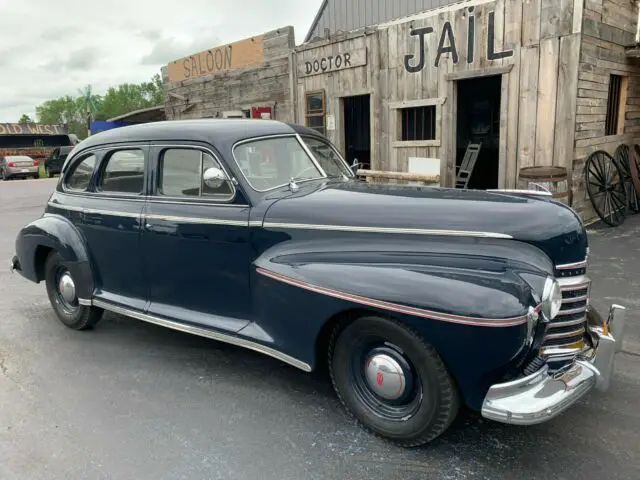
(448, 43)
(31, 129)
(243, 53)
(332, 63)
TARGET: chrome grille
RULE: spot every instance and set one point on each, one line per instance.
(568, 328)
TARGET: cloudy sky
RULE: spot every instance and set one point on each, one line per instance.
(51, 48)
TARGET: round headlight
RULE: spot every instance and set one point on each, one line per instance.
(551, 298)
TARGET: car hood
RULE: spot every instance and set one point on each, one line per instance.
(547, 224)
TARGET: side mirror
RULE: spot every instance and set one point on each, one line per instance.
(214, 177)
(355, 165)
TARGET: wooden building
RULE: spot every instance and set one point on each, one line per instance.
(535, 82)
(245, 79)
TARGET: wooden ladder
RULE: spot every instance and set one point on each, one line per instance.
(467, 165)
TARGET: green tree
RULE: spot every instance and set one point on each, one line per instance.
(116, 101)
(25, 119)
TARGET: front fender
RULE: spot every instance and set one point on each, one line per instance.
(469, 299)
(57, 233)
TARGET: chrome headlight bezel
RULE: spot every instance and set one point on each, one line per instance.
(551, 298)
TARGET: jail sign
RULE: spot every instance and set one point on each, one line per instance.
(314, 65)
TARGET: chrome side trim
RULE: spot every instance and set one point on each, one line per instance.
(85, 302)
(407, 231)
(113, 213)
(515, 190)
(395, 307)
(202, 332)
(571, 266)
(202, 220)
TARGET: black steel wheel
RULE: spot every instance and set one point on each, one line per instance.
(61, 289)
(392, 381)
(625, 158)
(605, 187)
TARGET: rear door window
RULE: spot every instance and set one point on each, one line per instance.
(123, 172)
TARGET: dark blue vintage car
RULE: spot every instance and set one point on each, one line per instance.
(257, 233)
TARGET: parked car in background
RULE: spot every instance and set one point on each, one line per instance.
(257, 233)
(53, 163)
(18, 166)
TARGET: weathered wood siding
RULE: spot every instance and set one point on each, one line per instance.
(608, 26)
(533, 44)
(268, 84)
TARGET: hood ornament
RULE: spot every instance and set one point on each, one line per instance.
(293, 186)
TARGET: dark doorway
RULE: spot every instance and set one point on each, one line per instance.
(357, 129)
(478, 121)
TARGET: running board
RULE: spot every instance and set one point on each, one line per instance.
(203, 332)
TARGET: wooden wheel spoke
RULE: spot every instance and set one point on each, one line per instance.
(607, 186)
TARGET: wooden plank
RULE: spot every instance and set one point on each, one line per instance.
(415, 143)
(591, 102)
(565, 120)
(624, 86)
(547, 92)
(417, 103)
(592, 93)
(584, 134)
(599, 141)
(593, 5)
(590, 118)
(512, 35)
(603, 87)
(581, 110)
(528, 105)
(531, 22)
(556, 18)
(480, 72)
(578, 9)
(590, 77)
(411, 177)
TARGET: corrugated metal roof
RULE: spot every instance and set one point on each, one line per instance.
(347, 15)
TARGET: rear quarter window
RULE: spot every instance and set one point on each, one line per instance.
(80, 174)
(123, 172)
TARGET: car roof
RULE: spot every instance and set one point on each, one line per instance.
(213, 131)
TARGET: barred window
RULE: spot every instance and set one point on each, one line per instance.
(418, 123)
(614, 123)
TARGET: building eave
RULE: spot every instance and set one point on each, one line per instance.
(316, 20)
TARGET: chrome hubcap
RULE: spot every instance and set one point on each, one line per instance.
(385, 376)
(67, 288)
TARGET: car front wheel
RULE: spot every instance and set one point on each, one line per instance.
(392, 381)
(3, 175)
(61, 289)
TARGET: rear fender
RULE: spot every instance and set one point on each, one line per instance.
(55, 233)
(469, 299)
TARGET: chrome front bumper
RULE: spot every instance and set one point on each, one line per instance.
(541, 396)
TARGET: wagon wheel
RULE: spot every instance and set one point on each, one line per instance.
(605, 187)
(635, 167)
(625, 158)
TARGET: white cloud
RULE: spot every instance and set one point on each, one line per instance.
(51, 49)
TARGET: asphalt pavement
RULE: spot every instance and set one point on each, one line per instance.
(129, 400)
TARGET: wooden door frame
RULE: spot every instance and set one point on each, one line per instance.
(450, 123)
(339, 139)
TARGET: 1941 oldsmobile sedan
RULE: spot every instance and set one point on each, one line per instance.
(258, 233)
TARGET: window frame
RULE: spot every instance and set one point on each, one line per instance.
(621, 107)
(322, 113)
(107, 153)
(396, 110)
(71, 168)
(156, 190)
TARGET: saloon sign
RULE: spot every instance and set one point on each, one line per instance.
(332, 63)
(31, 129)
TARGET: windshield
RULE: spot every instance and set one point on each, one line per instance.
(272, 162)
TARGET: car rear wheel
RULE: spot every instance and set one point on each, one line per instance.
(392, 381)
(3, 175)
(61, 289)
